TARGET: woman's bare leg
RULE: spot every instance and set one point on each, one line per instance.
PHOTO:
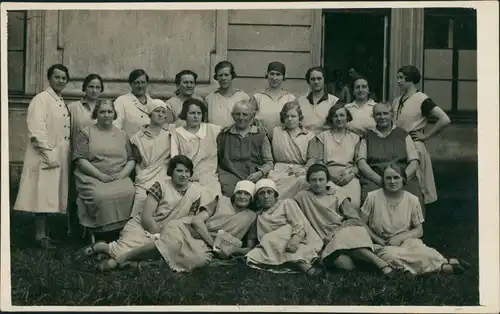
(344, 262)
(147, 251)
(368, 256)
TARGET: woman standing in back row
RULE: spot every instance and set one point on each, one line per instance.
(221, 102)
(131, 108)
(81, 117)
(271, 100)
(43, 188)
(185, 81)
(316, 104)
(412, 110)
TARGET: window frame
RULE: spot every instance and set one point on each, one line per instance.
(453, 14)
(24, 51)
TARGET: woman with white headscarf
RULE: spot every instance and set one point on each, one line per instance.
(286, 238)
(190, 242)
(151, 146)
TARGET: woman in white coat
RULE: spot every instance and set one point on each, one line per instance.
(44, 181)
(131, 108)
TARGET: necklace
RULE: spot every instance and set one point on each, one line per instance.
(393, 203)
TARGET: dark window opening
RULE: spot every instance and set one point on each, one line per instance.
(16, 50)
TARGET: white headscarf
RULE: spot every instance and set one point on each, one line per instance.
(265, 183)
(245, 185)
(152, 105)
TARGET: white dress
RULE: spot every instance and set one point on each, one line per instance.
(46, 190)
(409, 117)
(385, 221)
(155, 154)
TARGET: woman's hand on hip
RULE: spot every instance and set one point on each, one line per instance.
(418, 136)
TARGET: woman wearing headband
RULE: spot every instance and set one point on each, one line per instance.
(270, 101)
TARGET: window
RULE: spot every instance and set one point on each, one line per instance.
(450, 43)
(16, 50)
(436, 30)
(466, 31)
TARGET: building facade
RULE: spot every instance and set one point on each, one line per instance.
(376, 42)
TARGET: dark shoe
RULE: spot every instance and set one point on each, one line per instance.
(464, 264)
(457, 269)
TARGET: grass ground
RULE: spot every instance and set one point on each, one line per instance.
(65, 278)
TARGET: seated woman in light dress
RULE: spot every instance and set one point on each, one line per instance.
(151, 146)
(337, 222)
(386, 144)
(187, 245)
(270, 101)
(289, 144)
(198, 141)
(104, 161)
(316, 104)
(185, 81)
(361, 108)
(337, 148)
(287, 241)
(168, 199)
(394, 221)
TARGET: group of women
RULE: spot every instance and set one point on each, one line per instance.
(285, 183)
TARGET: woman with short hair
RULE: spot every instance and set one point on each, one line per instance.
(185, 81)
(104, 160)
(221, 102)
(43, 188)
(197, 140)
(316, 104)
(131, 107)
(412, 112)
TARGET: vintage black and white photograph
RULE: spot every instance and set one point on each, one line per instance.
(248, 156)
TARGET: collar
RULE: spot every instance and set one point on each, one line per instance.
(253, 130)
(382, 135)
(271, 209)
(201, 134)
(370, 102)
(303, 131)
(283, 93)
(236, 90)
(136, 100)
(85, 103)
(53, 93)
(144, 132)
(323, 98)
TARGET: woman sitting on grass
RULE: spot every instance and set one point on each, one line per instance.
(287, 240)
(337, 222)
(168, 199)
(394, 221)
(186, 244)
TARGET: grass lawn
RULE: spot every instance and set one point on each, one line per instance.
(65, 278)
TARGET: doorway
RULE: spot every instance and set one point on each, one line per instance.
(357, 39)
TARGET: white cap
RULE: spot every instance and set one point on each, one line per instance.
(265, 183)
(155, 104)
(245, 185)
